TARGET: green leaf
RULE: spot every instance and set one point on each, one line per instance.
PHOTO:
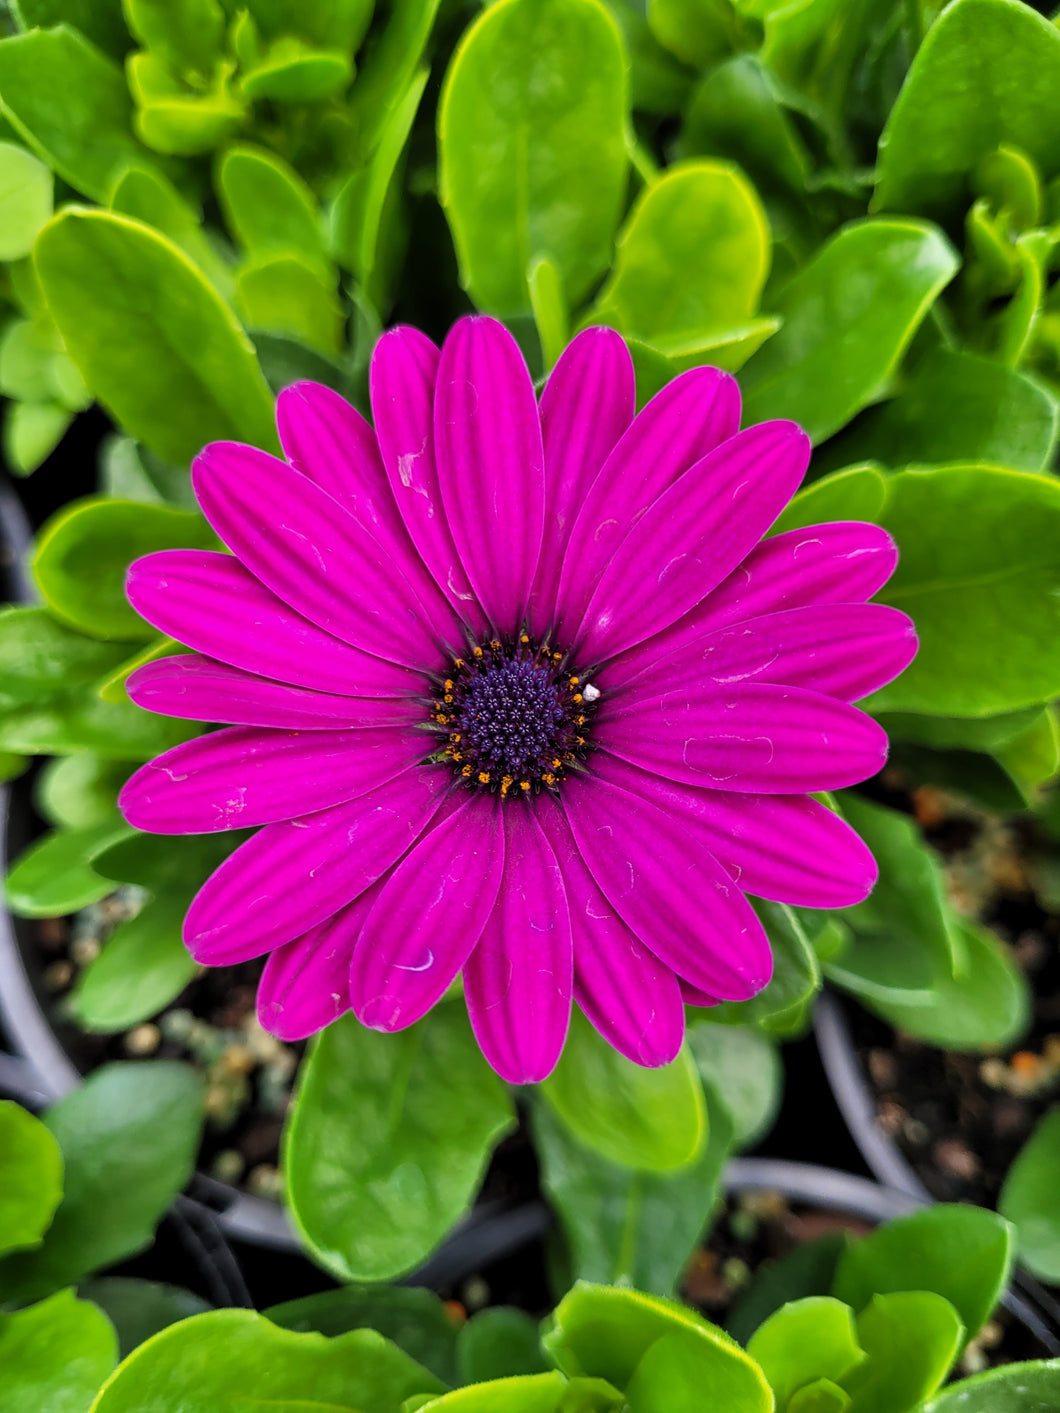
(32, 431)
(658, 83)
(164, 863)
(294, 72)
(268, 206)
(101, 21)
(1033, 1387)
(386, 67)
(961, 1253)
(413, 1318)
(284, 294)
(147, 196)
(174, 118)
(987, 1005)
(651, 1119)
(987, 73)
(128, 1136)
(978, 572)
(652, 1348)
(807, 1270)
(699, 32)
(911, 1339)
(25, 200)
(955, 406)
(153, 339)
(138, 1309)
(128, 471)
(31, 361)
(856, 493)
(143, 966)
(75, 792)
(186, 35)
(12, 765)
(805, 1340)
(848, 317)
(231, 1358)
(84, 552)
(741, 1066)
(40, 657)
(387, 1141)
(627, 1227)
(85, 138)
(55, 875)
(31, 1177)
(796, 975)
(341, 23)
(551, 314)
(536, 1393)
(55, 1355)
(1030, 1198)
(531, 133)
(690, 261)
(963, 733)
(822, 1396)
(1032, 757)
(498, 1342)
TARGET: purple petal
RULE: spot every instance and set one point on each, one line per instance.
(288, 877)
(631, 998)
(487, 436)
(695, 534)
(428, 916)
(588, 402)
(200, 689)
(518, 979)
(314, 555)
(210, 602)
(305, 985)
(331, 443)
(658, 874)
(692, 415)
(403, 374)
(841, 650)
(249, 775)
(692, 996)
(787, 848)
(749, 736)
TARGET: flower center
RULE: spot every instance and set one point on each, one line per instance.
(514, 716)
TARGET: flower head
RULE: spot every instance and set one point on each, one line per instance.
(516, 691)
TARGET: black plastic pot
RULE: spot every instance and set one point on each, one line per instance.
(854, 1097)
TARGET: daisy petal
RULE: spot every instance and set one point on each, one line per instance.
(659, 876)
(588, 402)
(428, 916)
(787, 848)
(403, 374)
(518, 979)
(841, 650)
(694, 535)
(692, 415)
(200, 689)
(314, 555)
(331, 443)
(487, 437)
(305, 985)
(210, 602)
(248, 775)
(749, 736)
(631, 998)
(692, 996)
(291, 876)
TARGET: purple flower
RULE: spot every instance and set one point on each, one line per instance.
(517, 691)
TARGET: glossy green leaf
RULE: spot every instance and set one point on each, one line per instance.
(152, 338)
(25, 200)
(822, 1396)
(40, 656)
(35, 367)
(294, 72)
(84, 553)
(268, 206)
(1032, 757)
(796, 975)
(138, 1309)
(658, 82)
(186, 35)
(847, 318)
(1030, 1198)
(497, 1342)
(531, 131)
(167, 863)
(985, 1006)
(86, 138)
(12, 765)
(215, 1362)
(179, 120)
(413, 1318)
(808, 1339)
(911, 1339)
(31, 1177)
(855, 493)
(77, 791)
(987, 73)
(955, 406)
(386, 66)
(961, 1253)
(551, 315)
(128, 471)
(623, 1226)
(534, 1393)
(147, 196)
(128, 1137)
(387, 1141)
(55, 875)
(691, 260)
(699, 32)
(609, 1333)
(284, 294)
(55, 1355)
(741, 1066)
(142, 968)
(978, 573)
(1033, 1387)
(32, 431)
(651, 1119)
(963, 733)
(101, 21)
(341, 23)
(807, 1270)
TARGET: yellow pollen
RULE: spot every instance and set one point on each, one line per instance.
(576, 698)
(449, 684)
(466, 770)
(483, 777)
(476, 652)
(573, 681)
(524, 784)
